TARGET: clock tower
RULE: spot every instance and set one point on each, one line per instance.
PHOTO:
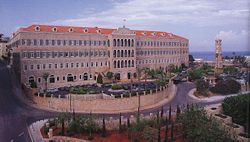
(218, 56)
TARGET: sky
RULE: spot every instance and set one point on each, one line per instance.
(201, 21)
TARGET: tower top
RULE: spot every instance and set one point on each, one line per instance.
(124, 21)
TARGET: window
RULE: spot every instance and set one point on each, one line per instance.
(54, 29)
(71, 30)
(25, 67)
(47, 42)
(38, 67)
(52, 79)
(49, 66)
(37, 28)
(39, 80)
(35, 42)
(58, 42)
(31, 67)
(85, 30)
(61, 65)
(55, 66)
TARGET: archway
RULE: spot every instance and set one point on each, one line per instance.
(85, 76)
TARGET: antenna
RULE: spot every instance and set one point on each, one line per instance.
(124, 21)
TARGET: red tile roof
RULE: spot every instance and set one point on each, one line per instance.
(94, 30)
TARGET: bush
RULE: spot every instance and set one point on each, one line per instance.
(226, 87)
(78, 90)
(202, 87)
(195, 74)
(198, 128)
(116, 87)
(33, 84)
(99, 79)
(237, 107)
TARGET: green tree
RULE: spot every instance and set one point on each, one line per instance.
(110, 75)
(202, 87)
(195, 74)
(99, 79)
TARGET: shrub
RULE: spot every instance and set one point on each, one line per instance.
(99, 79)
(116, 87)
(198, 128)
(150, 134)
(225, 87)
(78, 90)
(195, 74)
(33, 84)
(237, 107)
(202, 87)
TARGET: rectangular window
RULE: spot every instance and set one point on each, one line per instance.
(70, 42)
(53, 42)
(31, 67)
(25, 67)
(49, 66)
(47, 42)
(67, 65)
(28, 42)
(35, 42)
(38, 67)
(55, 66)
(64, 42)
(41, 42)
(72, 65)
(80, 42)
(58, 42)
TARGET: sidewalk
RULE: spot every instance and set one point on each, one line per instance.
(213, 98)
(34, 131)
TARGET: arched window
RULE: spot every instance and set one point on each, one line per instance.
(70, 78)
(114, 64)
(118, 64)
(126, 64)
(126, 53)
(118, 42)
(122, 55)
(31, 79)
(85, 76)
(128, 42)
(37, 28)
(118, 53)
(51, 79)
(114, 42)
(122, 64)
(129, 75)
(125, 42)
(121, 42)
(108, 43)
(132, 44)
(129, 64)
(133, 63)
(114, 53)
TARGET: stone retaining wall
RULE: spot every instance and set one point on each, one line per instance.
(102, 105)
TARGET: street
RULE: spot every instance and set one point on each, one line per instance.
(15, 115)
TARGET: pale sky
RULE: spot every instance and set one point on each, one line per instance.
(201, 21)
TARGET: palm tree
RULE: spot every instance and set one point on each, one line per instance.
(166, 130)
(120, 123)
(172, 132)
(45, 77)
(139, 73)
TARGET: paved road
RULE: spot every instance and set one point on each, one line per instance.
(15, 115)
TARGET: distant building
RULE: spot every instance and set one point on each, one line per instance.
(76, 55)
(3, 46)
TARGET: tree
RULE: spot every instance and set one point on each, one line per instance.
(99, 79)
(169, 115)
(172, 132)
(139, 73)
(191, 58)
(104, 132)
(146, 73)
(228, 86)
(45, 77)
(202, 87)
(178, 111)
(61, 121)
(166, 131)
(110, 75)
(120, 123)
(195, 74)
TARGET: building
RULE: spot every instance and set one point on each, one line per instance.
(3, 46)
(76, 55)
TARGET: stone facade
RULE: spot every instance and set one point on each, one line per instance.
(76, 55)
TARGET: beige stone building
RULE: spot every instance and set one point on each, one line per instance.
(76, 55)
(3, 46)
